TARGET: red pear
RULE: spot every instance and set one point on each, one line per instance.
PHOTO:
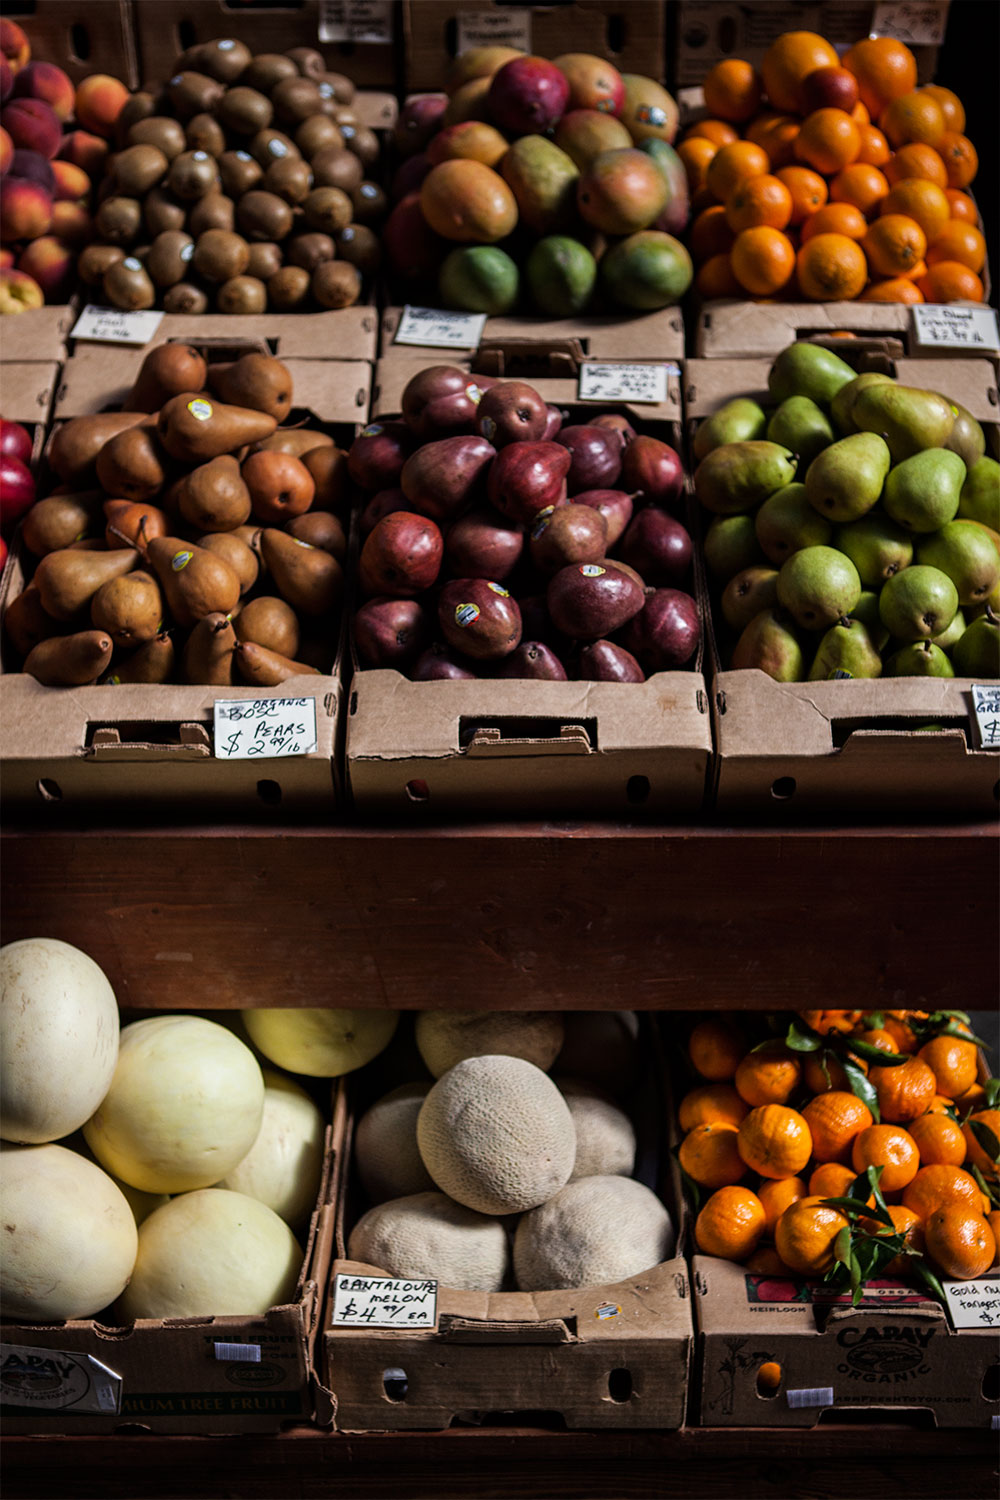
(665, 633)
(654, 468)
(527, 478)
(658, 547)
(596, 454)
(391, 632)
(443, 477)
(401, 555)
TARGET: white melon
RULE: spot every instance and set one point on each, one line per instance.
(285, 1163)
(320, 1043)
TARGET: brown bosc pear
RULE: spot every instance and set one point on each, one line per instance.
(195, 581)
(133, 465)
(26, 621)
(67, 580)
(129, 609)
(207, 658)
(70, 660)
(74, 447)
(213, 496)
(58, 520)
(264, 668)
(127, 523)
(258, 381)
(194, 428)
(151, 662)
(238, 554)
(308, 578)
(269, 621)
(166, 371)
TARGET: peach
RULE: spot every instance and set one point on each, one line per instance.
(19, 292)
(44, 80)
(85, 150)
(72, 224)
(6, 259)
(100, 99)
(33, 124)
(70, 182)
(51, 265)
(6, 80)
(25, 210)
(33, 167)
(6, 151)
(14, 44)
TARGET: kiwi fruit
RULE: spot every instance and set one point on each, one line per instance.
(118, 220)
(239, 172)
(264, 216)
(295, 99)
(288, 289)
(169, 256)
(308, 61)
(310, 250)
(290, 178)
(204, 133)
(138, 168)
(161, 131)
(336, 283)
(138, 107)
(224, 58)
(265, 260)
(214, 211)
(191, 93)
(327, 209)
(267, 70)
(370, 203)
(244, 111)
(242, 296)
(343, 87)
(219, 255)
(192, 175)
(360, 246)
(270, 144)
(160, 211)
(363, 142)
(335, 166)
(185, 298)
(315, 133)
(94, 260)
(127, 285)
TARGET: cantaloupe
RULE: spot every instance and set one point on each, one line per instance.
(320, 1043)
(58, 1039)
(445, 1037)
(496, 1134)
(605, 1140)
(428, 1235)
(285, 1163)
(594, 1232)
(385, 1146)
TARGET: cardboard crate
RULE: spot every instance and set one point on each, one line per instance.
(114, 747)
(96, 38)
(611, 336)
(629, 33)
(26, 394)
(740, 329)
(826, 745)
(212, 1375)
(166, 28)
(519, 746)
(39, 335)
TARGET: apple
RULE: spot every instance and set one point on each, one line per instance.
(15, 441)
(17, 490)
(19, 292)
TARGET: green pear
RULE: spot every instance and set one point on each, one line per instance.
(964, 551)
(977, 653)
(967, 437)
(730, 545)
(922, 492)
(866, 610)
(738, 476)
(845, 651)
(818, 585)
(739, 421)
(747, 594)
(918, 603)
(842, 405)
(846, 480)
(876, 546)
(804, 369)
(769, 644)
(980, 497)
(919, 659)
(802, 426)
(786, 522)
(909, 419)
(951, 634)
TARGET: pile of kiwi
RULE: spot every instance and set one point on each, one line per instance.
(245, 184)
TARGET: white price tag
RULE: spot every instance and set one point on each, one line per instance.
(500, 26)
(356, 21)
(919, 23)
(432, 327)
(945, 325)
(264, 728)
(986, 711)
(383, 1302)
(973, 1304)
(112, 325)
(646, 384)
(57, 1380)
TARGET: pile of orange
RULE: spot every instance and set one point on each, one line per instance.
(770, 1133)
(832, 180)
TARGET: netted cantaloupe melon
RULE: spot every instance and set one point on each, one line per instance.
(428, 1235)
(496, 1134)
(385, 1146)
(596, 1231)
(445, 1037)
(605, 1140)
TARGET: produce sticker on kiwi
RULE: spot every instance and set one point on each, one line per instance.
(264, 728)
(112, 325)
(383, 1302)
(433, 327)
(645, 384)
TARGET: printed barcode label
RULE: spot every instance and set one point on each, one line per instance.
(432, 326)
(237, 1354)
(356, 21)
(112, 325)
(820, 1395)
(945, 325)
(986, 712)
(499, 26)
(263, 728)
(645, 384)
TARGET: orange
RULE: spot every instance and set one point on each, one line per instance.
(774, 1141)
(960, 1242)
(892, 1149)
(896, 1023)
(715, 1048)
(710, 234)
(730, 1223)
(904, 1090)
(940, 1105)
(822, 1071)
(708, 1154)
(874, 146)
(951, 1059)
(770, 1073)
(837, 1022)
(831, 1179)
(976, 1156)
(807, 188)
(916, 160)
(878, 1037)
(828, 140)
(716, 131)
(701, 200)
(759, 200)
(716, 279)
(804, 1236)
(836, 218)
(939, 1140)
(831, 268)
(993, 1220)
(765, 1261)
(962, 206)
(834, 1119)
(974, 1098)
(732, 90)
(790, 58)
(950, 281)
(709, 1104)
(906, 1223)
(763, 260)
(913, 117)
(860, 184)
(776, 1194)
(951, 105)
(778, 141)
(960, 158)
(893, 244)
(894, 289)
(938, 1185)
(732, 164)
(860, 115)
(884, 69)
(965, 244)
(920, 200)
(696, 153)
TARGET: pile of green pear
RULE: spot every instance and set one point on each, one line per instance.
(855, 527)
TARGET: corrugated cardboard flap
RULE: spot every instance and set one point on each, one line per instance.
(39, 334)
(343, 333)
(26, 387)
(495, 1331)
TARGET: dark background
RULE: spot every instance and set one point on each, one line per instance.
(969, 63)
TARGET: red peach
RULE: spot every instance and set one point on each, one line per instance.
(100, 99)
(70, 181)
(33, 124)
(25, 210)
(6, 259)
(72, 224)
(44, 80)
(52, 265)
(86, 151)
(19, 292)
(14, 44)
(6, 151)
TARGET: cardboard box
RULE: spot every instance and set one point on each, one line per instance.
(629, 33)
(520, 746)
(38, 335)
(611, 336)
(26, 394)
(96, 38)
(166, 28)
(858, 744)
(218, 1376)
(730, 329)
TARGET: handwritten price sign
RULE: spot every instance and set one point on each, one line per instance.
(433, 327)
(383, 1302)
(264, 728)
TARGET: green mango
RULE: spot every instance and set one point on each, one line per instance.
(479, 278)
(543, 179)
(560, 274)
